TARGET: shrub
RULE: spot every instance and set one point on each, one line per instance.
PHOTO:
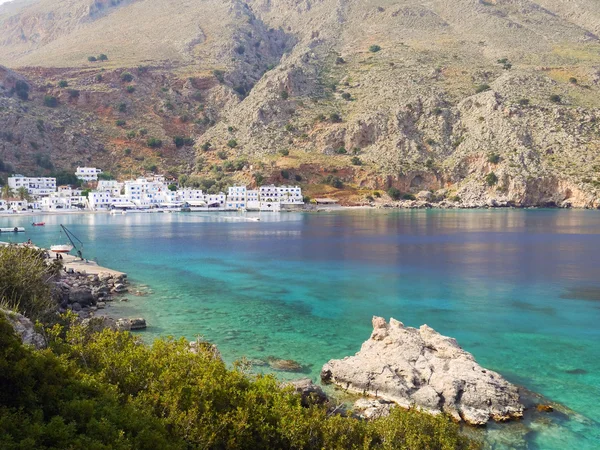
(143, 132)
(24, 284)
(219, 75)
(289, 128)
(131, 134)
(62, 84)
(573, 80)
(377, 194)
(340, 60)
(222, 154)
(122, 107)
(284, 95)
(127, 151)
(178, 141)
(206, 146)
(92, 59)
(232, 143)
(333, 181)
(285, 174)
(102, 57)
(106, 176)
(22, 90)
(130, 89)
(346, 96)
(408, 197)
(50, 101)
(356, 161)
(258, 178)
(120, 123)
(493, 158)
(298, 177)
(335, 118)
(284, 152)
(99, 77)
(340, 151)
(394, 193)
(524, 102)
(154, 143)
(73, 93)
(374, 48)
(555, 98)
(240, 49)
(126, 77)
(482, 88)
(491, 179)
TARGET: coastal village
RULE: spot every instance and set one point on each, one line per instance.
(153, 193)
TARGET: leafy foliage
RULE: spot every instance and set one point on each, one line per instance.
(394, 193)
(50, 101)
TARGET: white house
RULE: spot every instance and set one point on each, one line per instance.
(18, 205)
(290, 195)
(87, 173)
(236, 198)
(215, 200)
(99, 200)
(38, 187)
(111, 186)
(269, 193)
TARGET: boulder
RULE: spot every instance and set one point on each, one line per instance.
(420, 366)
(285, 365)
(25, 328)
(131, 324)
(311, 393)
(369, 408)
(81, 295)
(120, 288)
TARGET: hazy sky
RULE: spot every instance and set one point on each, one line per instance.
(4, 1)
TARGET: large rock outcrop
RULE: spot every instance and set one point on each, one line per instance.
(421, 367)
(25, 328)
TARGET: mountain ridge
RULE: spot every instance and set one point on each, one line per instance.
(482, 100)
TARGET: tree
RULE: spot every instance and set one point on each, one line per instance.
(22, 90)
(7, 192)
(394, 193)
(356, 161)
(92, 59)
(172, 187)
(232, 143)
(23, 193)
(491, 179)
(126, 77)
(374, 48)
(50, 101)
(102, 57)
(63, 84)
(555, 98)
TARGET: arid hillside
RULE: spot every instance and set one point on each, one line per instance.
(478, 101)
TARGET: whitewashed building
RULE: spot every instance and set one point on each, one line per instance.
(269, 193)
(236, 198)
(290, 195)
(111, 186)
(18, 205)
(36, 186)
(87, 173)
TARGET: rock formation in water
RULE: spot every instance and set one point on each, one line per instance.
(421, 367)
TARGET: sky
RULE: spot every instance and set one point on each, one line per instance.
(4, 1)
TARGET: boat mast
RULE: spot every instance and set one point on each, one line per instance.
(71, 236)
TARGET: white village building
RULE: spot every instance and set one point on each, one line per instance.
(87, 173)
(36, 186)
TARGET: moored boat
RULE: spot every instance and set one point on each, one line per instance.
(61, 248)
(12, 230)
(38, 224)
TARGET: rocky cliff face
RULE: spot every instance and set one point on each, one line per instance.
(24, 328)
(421, 367)
(486, 102)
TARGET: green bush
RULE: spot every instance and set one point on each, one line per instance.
(491, 179)
(482, 88)
(356, 161)
(73, 93)
(154, 143)
(284, 95)
(126, 77)
(346, 96)
(493, 158)
(408, 197)
(573, 80)
(374, 48)
(92, 59)
(285, 174)
(120, 123)
(555, 98)
(130, 89)
(99, 77)
(340, 151)
(219, 75)
(222, 154)
(24, 281)
(50, 101)
(335, 118)
(333, 181)
(206, 146)
(127, 151)
(102, 57)
(284, 152)
(122, 107)
(232, 143)
(22, 90)
(524, 102)
(394, 193)
(62, 84)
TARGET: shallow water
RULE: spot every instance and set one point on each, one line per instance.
(518, 289)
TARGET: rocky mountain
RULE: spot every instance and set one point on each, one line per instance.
(478, 101)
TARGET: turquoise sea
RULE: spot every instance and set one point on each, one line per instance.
(520, 289)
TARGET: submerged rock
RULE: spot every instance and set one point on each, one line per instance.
(421, 367)
(131, 324)
(285, 365)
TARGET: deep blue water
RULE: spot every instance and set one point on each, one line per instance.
(518, 289)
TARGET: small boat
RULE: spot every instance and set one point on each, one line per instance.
(12, 230)
(38, 224)
(61, 248)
